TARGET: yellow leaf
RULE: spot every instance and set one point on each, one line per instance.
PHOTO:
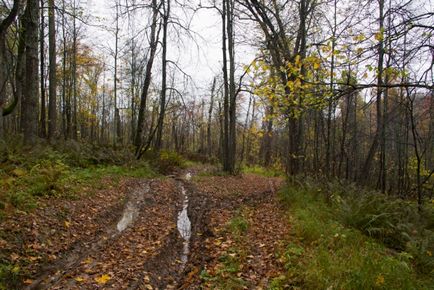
(217, 242)
(67, 224)
(102, 279)
(316, 65)
(79, 279)
(379, 36)
(88, 261)
(18, 172)
(297, 60)
(15, 269)
(380, 280)
(359, 37)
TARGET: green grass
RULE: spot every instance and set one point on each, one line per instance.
(229, 263)
(44, 172)
(262, 171)
(239, 224)
(9, 275)
(326, 253)
(31, 178)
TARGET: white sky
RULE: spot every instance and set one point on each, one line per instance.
(200, 57)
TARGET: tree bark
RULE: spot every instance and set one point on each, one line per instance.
(160, 124)
(52, 89)
(211, 105)
(43, 115)
(147, 81)
(4, 25)
(30, 95)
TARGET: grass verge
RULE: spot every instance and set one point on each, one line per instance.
(328, 253)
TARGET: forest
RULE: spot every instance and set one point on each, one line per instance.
(216, 144)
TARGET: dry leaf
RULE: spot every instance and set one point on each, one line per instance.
(103, 279)
(28, 281)
(79, 279)
(14, 256)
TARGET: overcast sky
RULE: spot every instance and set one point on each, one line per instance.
(199, 57)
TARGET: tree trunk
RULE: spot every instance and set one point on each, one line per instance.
(117, 122)
(4, 25)
(30, 96)
(225, 147)
(160, 124)
(43, 116)
(211, 105)
(52, 95)
(148, 75)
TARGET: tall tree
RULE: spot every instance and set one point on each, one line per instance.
(43, 112)
(153, 43)
(117, 117)
(52, 88)
(4, 25)
(229, 103)
(160, 125)
(30, 89)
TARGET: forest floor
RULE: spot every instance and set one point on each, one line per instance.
(126, 236)
(126, 227)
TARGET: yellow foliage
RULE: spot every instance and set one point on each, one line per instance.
(380, 280)
(102, 279)
(379, 36)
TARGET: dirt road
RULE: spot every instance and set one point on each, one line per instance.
(178, 232)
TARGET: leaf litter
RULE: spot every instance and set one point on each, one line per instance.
(77, 241)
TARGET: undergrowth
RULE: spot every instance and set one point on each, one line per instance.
(66, 170)
(262, 171)
(345, 238)
(165, 161)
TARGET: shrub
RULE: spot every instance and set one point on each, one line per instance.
(165, 161)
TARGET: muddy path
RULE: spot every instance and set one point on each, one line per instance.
(162, 234)
(146, 244)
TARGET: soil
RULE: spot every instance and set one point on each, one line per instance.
(76, 244)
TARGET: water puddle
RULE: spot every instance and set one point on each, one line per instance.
(188, 176)
(184, 224)
(131, 210)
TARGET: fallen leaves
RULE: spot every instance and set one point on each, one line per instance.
(79, 279)
(28, 281)
(102, 279)
(56, 230)
(248, 257)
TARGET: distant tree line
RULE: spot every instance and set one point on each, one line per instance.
(337, 88)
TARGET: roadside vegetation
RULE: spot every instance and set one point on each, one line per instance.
(33, 179)
(66, 171)
(346, 238)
